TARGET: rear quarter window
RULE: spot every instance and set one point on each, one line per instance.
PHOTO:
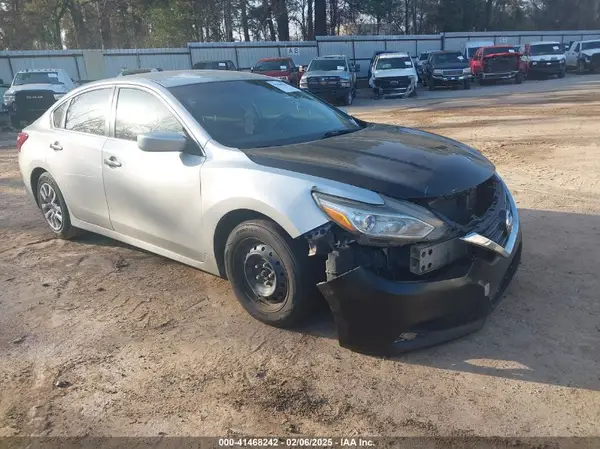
(58, 115)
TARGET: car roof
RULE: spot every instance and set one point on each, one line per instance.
(545, 42)
(590, 40)
(39, 70)
(498, 46)
(279, 58)
(174, 78)
(397, 54)
(331, 57)
(441, 52)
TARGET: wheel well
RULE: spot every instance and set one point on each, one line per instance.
(227, 223)
(35, 176)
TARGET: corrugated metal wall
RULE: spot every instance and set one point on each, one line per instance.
(245, 54)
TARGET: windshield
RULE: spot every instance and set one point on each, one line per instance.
(327, 65)
(211, 65)
(448, 58)
(590, 45)
(495, 50)
(394, 63)
(423, 56)
(36, 78)
(268, 66)
(546, 49)
(256, 113)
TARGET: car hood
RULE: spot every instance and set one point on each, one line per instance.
(273, 72)
(340, 73)
(394, 72)
(398, 162)
(591, 51)
(57, 88)
(544, 58)
(506, 53)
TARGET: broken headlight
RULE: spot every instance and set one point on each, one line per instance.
(395, 221)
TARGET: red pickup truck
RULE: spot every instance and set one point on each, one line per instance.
(282, 68)
(497, 63)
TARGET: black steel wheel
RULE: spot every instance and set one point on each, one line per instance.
(270, 273)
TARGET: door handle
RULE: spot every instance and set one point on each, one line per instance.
(56, 146)
(112, 162)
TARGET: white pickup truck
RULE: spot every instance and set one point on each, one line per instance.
(584, 55)
(33, 91)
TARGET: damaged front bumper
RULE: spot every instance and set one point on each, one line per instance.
(374, 314)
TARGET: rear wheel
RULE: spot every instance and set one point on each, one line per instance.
(54, 208)
(270, 273)
(580, 67)
(347, 101)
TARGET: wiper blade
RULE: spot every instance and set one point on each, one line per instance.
(337, 132)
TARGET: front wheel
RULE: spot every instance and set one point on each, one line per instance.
(347, 101)
(467, 85)
(270, 273)
(54, 207)
(519, 78)
(562, 73)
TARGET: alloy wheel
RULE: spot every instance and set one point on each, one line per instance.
(50, 205)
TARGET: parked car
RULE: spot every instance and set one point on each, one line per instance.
(447, 69)
(410, 237)
(372, 62)
(214, 65)
(126, 72)
(33, 91)
(421, 62)
(282, 68)
(584, 55)
(393, 74)
(470, 48)
(332, 78)
(543, 58)
(497, 63)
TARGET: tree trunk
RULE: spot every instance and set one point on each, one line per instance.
(309, 21)
(268, 19)
(228, 19)
(320, 18)
(332, 16)
(244, 13)
(281, 17)
(406, 16)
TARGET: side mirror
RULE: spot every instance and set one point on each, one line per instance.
(357, 68)
(161, 142)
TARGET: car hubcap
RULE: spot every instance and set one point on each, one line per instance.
(51, 207)
(265, 275)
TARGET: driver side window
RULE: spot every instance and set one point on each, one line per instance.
(576, 50)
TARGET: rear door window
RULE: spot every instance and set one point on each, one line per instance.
(59, 114)
(88, 112)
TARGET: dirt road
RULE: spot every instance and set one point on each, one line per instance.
(141, 345)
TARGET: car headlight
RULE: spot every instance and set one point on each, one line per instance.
(562, 61)
(9, 98)
(395, 221)
(58, 96)
(467, 71)
(438, 72)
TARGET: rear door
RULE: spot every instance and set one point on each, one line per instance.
(80, 128)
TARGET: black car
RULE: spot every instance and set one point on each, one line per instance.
(214, 65)
(446, 69)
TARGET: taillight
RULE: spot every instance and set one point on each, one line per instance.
(21, 139)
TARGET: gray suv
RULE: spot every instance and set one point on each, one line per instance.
(332, 78)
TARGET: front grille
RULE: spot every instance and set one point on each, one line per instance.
(481, 209)
(36, 100)
(500, 64)
(393, 82)
(452, 72)
(323, 81)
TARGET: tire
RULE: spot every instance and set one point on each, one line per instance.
(15, 122)
(519, 78)
(54, 208)
(467, 85)
(348, 99)
(252, 246)
(580, 67)
(414, 93)
(431, 85)
(562, 73)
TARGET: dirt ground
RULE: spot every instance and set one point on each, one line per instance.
(140, 345)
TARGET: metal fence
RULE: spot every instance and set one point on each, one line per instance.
(96, 64)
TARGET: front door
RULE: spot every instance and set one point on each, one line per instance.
(572, 54)
(153, 197)
(80, 129)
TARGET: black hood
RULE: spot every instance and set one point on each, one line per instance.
(451, 65)
(398, 162)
